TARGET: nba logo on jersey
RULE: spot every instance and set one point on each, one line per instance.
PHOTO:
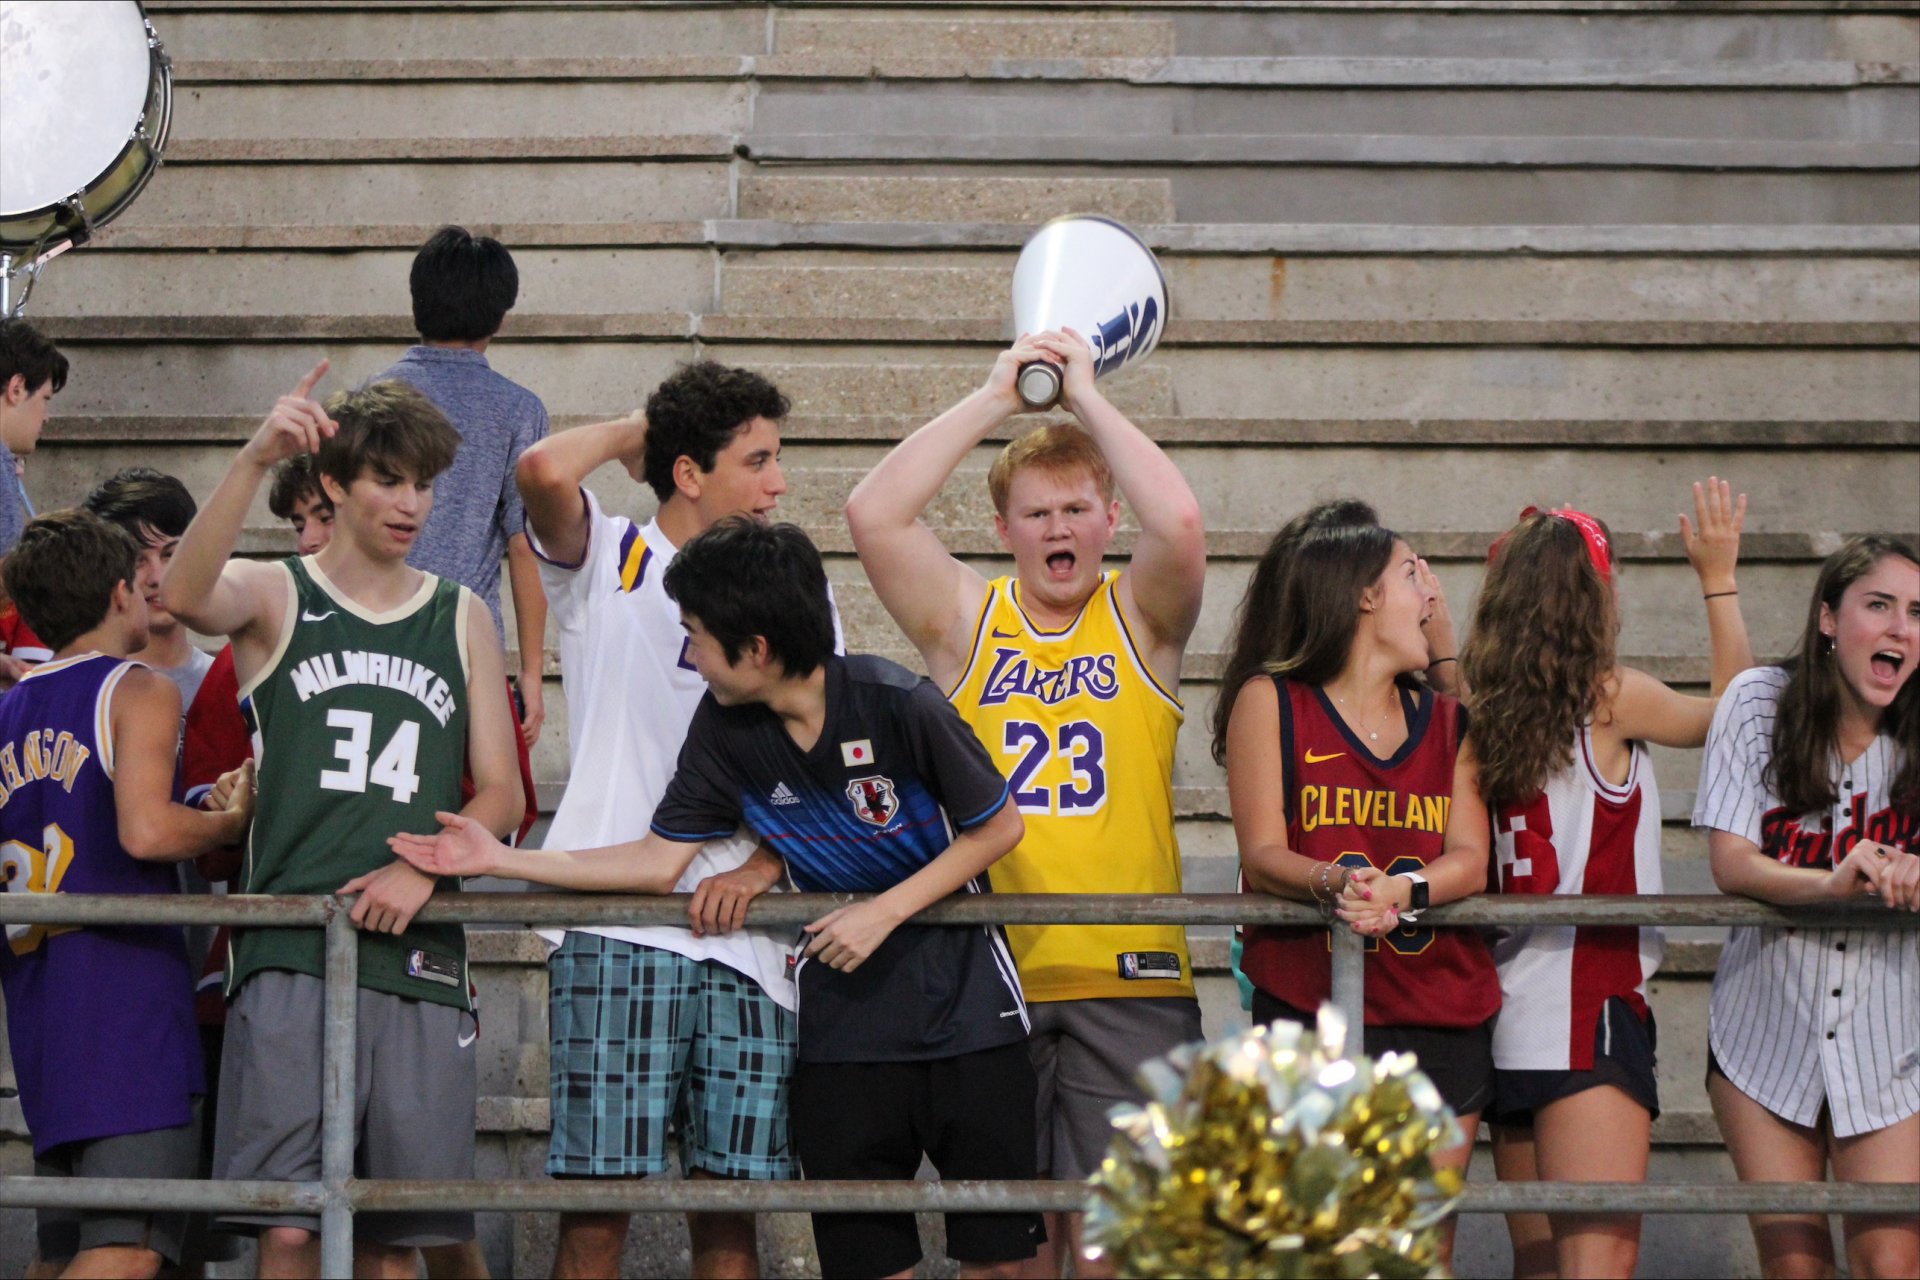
(874, 800)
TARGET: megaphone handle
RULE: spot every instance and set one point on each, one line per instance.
(1039, 384)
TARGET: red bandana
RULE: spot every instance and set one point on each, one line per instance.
(1591, 533)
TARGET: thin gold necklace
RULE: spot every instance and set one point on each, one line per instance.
(1373, 734)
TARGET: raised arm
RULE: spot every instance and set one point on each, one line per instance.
(204, 587)
(551, 472)
(152, 828)
(651, 864)
(1644, 709)
(931, 596)
(1164, 580)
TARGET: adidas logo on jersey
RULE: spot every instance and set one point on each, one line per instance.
(783, 794)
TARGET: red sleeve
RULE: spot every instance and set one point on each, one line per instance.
(216, 741)
(17, 638)
(216, 734)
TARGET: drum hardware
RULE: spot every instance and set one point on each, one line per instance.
(89, 127)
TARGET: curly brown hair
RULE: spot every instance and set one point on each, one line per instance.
(1806, 727)
(1539, 658)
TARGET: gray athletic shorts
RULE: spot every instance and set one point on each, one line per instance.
(414, 1104)
(158, 1153)
(1085, 1054)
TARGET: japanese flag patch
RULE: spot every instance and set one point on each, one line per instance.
(857, 753)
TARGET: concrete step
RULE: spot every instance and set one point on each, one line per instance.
(873, 296)
(242, 203)
(524, 111)
(933, 326)
(922, 198)
(1470, 152)
(1435, 384)
(1402, 190)
(1052, 29)
(1695, 34)
(1815, 166)
(965, 33)
(937, 64)
(224, 229)
(1062, 120)
(343, 32)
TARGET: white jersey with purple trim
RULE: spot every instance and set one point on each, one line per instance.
(1805, 1017)
(631, 692)
(1581, 834)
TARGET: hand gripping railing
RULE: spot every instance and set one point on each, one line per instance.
(338, 1194)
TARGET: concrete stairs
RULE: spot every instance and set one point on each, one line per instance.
(1452, 257)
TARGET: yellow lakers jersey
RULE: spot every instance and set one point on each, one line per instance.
(1085, 735)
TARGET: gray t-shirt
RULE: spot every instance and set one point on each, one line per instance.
(476, 505)
(187, 677)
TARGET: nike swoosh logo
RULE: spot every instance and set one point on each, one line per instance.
(467, 1040)
(1314, 759)
(317, 617)
(998, 634)
(1011, 1013)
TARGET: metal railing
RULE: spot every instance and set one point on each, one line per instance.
(338, 1195)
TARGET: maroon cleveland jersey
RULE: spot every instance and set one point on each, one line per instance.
(1349, 807)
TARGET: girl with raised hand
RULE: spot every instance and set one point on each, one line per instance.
(1810, 792)
(1348, 790)
(1560, 731)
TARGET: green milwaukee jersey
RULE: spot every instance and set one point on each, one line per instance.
(360, 730)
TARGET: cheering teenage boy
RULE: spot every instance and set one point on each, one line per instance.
(858, 774)
(367, 683)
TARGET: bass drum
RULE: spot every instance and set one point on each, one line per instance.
(86, 96)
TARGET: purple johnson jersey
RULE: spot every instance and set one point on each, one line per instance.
(100, 1020)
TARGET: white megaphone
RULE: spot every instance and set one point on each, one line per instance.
(1094, 275)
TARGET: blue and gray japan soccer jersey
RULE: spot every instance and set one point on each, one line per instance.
(895, 773)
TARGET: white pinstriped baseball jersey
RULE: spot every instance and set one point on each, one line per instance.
(1802, 1017)
(1581, 834)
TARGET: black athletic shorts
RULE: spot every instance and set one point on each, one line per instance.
(1623, 1056)
(1459, 1060)
(971, 1115)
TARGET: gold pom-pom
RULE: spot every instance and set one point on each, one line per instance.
(1274, 1154)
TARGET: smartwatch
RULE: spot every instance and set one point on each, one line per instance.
(1420, 897)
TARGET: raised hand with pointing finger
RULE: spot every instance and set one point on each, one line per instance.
(296, 424)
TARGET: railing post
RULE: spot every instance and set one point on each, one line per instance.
(338, 1044)
(1349, 982)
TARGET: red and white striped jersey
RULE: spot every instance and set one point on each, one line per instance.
(1581, 834)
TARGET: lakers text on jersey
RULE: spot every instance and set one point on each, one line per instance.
(1084, 734)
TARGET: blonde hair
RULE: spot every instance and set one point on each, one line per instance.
(1057, 447)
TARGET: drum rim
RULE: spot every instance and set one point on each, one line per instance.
(160, 99)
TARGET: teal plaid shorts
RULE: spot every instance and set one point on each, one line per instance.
(645, 1042)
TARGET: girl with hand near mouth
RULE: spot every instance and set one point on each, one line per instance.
(1810, 791)
(1349, 788)
(1560, 732)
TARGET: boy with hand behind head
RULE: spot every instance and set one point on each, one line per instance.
(100, 1020)
(367, 682)
(862, 777)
